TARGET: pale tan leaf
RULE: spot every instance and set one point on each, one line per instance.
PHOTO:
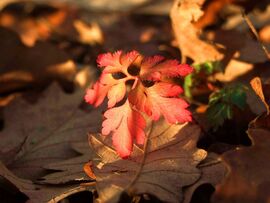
(257, 86)
(183, 15)
(168, 164)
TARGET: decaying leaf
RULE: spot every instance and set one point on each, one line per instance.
(183, 14)
(257, 86)
(36, 135)
(213, 172)
(89, 34)
(41, 193)
(70, 170)
(165, 165)
(34, 66)
(249, 177)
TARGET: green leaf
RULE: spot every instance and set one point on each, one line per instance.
(187, 85)
(221, 104)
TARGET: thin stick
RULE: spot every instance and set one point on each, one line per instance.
(254, 31)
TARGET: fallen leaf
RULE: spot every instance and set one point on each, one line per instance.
(89, 34)
(249, 177)
(167, 164)
(35, 66)
(257, 86)
(233, 70)
(42, 193)
(183, 15)
(40, 134)
(211, 11)
(213, 172)
(70, 170)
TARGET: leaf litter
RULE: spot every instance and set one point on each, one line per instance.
(165, 165)
(61, 174)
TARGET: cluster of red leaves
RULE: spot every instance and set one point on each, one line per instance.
(149, 91)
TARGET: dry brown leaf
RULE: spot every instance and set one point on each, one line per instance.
(233, 70)
(183, 15)
(72, 169)
(40, 134)
(163, 169)
(89, 34)
(33, 66)
(41, 193)
(257, 86)
(213, 172)
(212, 10)
(249, 177)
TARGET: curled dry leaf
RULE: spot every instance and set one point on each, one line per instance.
(165, 165)
(257, 86)
(183, 15)
(249, 177)
(40, 134)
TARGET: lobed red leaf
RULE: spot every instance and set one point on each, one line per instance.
(125, 124)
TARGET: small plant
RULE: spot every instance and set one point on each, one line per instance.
(222, 102)
(200, 76)
(137, 86)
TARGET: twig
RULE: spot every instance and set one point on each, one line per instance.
(254, 31)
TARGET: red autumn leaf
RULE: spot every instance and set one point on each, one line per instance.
(152, 68)
(107, 85)
(160, 99)
(148, 94)
(125, 124)
(117, 61)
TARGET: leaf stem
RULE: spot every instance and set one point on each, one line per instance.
(142, 162)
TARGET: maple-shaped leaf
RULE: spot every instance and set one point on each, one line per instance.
(36, 135)
(160, 99)
(126, 124)
(167, 164)
(152, 68)
(249, 176)
(38, 192)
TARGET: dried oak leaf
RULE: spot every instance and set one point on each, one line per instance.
(249, 177)
(41, 193)
(70, 170)
(165, 165)
(213, 172)
(183, 15)
(36, 135)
